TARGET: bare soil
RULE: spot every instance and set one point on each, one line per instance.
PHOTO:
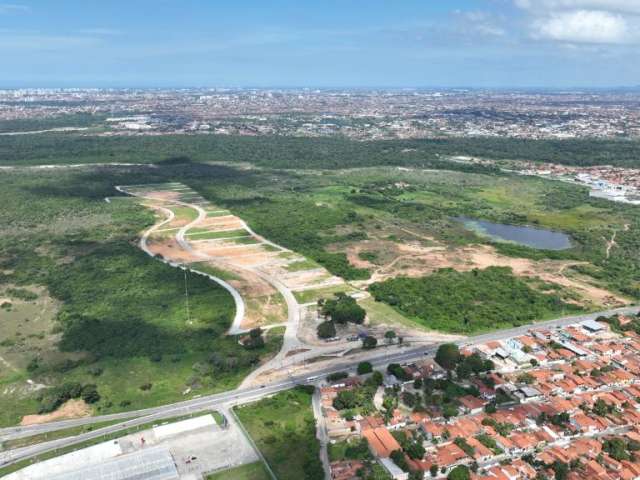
(71, 409)
(415, 260)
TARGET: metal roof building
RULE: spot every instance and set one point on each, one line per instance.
(147, 464)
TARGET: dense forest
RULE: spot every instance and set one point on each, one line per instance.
(469, 302)
(305, 153)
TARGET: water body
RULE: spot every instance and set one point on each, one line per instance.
(539, 238)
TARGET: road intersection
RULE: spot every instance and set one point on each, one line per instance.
(317, 372)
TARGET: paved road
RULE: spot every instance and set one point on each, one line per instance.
(321, 433)
(237, 298)
(379, 358)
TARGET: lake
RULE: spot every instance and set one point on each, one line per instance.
(533, 237)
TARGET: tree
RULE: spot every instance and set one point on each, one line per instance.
(561, 470)
(600, 407)
(433, 470)
(463, 371)
(343, 309)
(617, 448)
(375, 379)
(527, 378)
(364, 368)
(90, 393)
(415, 451)
(398, 458)
(448, 356)
(326, 329)
(369, 343)
(490, 407)
(459, 473)
(450, 410)
(345, 399)
(254, 340)
(389, 336)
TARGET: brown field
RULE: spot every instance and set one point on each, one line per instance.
(221, 223)
(71, 409)
(414, 260)
(215, 250)
(170, 250)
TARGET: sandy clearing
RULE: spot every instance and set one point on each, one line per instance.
(414, 261)
(221, 223)
(215, 250)
(163, 195)
(251, 285)
(71, 409)
(253, 260)
(170, 250)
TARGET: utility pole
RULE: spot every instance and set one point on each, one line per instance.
(186, 295)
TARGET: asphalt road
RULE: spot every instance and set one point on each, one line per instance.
(246, 395)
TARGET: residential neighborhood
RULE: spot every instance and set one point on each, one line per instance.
(558, 403)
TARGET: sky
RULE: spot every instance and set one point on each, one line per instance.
(320, 43)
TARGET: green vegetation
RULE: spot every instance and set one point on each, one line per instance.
(61, 240)
(342, 309)
(360, 397)
(103, 305)
(301, 153)
(326, 329)
(284, 430)
(301, 265)
(313, 295)
(469, 302)
(251, 471)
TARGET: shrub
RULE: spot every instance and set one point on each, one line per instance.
(364, 368)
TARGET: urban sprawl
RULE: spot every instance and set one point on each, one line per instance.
(553, 403)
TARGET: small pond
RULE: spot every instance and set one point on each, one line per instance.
(539, 238)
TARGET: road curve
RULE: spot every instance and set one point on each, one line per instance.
(378, 358)
(234, 329)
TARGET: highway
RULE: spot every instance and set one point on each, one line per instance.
(379, 358)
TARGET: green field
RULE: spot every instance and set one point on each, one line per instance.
(310, 296)
(251, 471)
(284, 430)
(198, 232)
(184, 213)
(112, 309)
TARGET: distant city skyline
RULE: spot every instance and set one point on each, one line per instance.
(516, 44)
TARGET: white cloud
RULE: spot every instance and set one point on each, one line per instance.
(629, 6)
(584, 26)
(603, 22)
(6, 8)
(480, 23)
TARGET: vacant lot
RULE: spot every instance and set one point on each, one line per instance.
(284, 430)
(252, 471)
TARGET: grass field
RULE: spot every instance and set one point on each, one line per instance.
(283, 428)
(381, 313)
(313, 295)
(60, 236)
(251, 471)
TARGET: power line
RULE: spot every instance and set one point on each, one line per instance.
(186, 295)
